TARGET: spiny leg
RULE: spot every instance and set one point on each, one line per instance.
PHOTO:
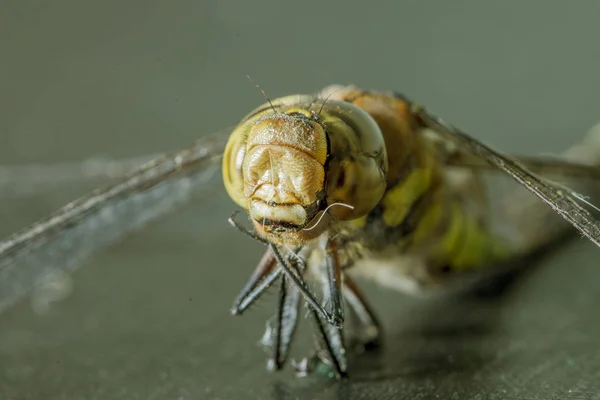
(333, 319)
(286, 322)
(262, 277)
(330, 340)
(278, 337)
(333, 275)
(330, 344)
(369, 333)
(257, 291)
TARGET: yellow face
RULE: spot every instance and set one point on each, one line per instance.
(277, 161)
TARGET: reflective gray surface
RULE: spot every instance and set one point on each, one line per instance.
(148, 317)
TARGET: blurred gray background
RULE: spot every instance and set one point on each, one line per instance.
(148, 318)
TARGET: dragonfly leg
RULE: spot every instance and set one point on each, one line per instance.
(278, 336)
(329, 338)
(330, 346)
(369, 329)
(333, 277)
(293, 276)
(286, 321)
(333, 319)
(262, 277)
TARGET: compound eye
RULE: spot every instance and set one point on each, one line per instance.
(233, 160)
(359, 183)
(343, 184)
(299, 111)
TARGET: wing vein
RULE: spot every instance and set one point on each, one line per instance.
(561, 202)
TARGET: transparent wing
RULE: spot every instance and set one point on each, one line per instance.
(62, 240)
(579, 162)
(561, 201)
(550, 167)
(18, 181)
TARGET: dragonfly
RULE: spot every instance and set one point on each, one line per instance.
(342, 183)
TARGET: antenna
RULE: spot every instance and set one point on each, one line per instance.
(326, 99)
(263, 93)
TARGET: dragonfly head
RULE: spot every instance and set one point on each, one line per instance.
(283, 170)
(280, 166)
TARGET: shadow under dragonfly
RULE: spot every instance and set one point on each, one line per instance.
(453, 333)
